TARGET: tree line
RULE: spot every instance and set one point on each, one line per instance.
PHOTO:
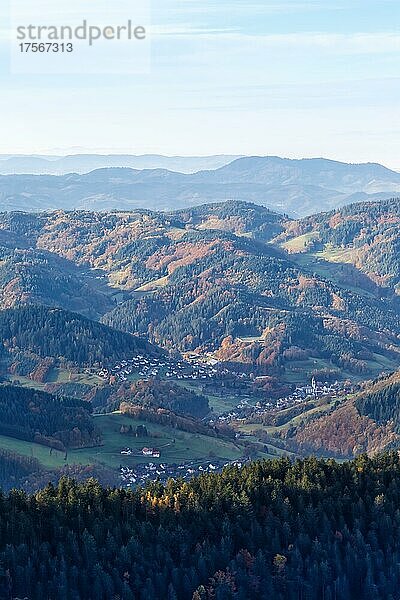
(310, 529)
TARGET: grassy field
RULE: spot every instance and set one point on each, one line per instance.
(153, 285)
(310, 408)
(299, 371)
(222, 405)
(175, 446)
(336, 255)
(63, 376)
(328, 265)
(300, 243)
(26, 382)
(58, 375)
(49, 460)
(219, 404)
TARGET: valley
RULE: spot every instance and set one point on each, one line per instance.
(198, 333)
(198, 373)
(200, 300)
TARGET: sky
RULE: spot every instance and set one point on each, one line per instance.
(294, 78)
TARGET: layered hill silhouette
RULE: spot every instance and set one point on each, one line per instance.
(296, 187)
(84, 163)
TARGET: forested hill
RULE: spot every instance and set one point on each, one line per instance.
(33, 415)
(51, 332)
(209, 279)
(368, 421)
(275, 529)
(365, 235)
(33, 276)
(241, 218)
(66, 259)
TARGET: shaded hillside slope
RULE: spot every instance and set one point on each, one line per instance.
(369, 422)
(46, 332)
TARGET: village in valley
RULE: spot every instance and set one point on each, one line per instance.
(203, 371)
(142, 473)
(301, 394)
(192, 368)
(151, 465)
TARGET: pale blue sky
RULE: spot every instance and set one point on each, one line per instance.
(291, 78)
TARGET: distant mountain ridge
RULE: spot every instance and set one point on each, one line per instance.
(295, 187)
(84, 163)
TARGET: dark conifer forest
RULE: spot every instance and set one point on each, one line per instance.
(270, 530)
(51, 332)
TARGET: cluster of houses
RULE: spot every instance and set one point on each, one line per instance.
(153, 452)
(145, 366)
(140, 474)
(314, 390)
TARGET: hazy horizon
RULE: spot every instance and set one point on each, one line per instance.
(288, 79)
(59, 153)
